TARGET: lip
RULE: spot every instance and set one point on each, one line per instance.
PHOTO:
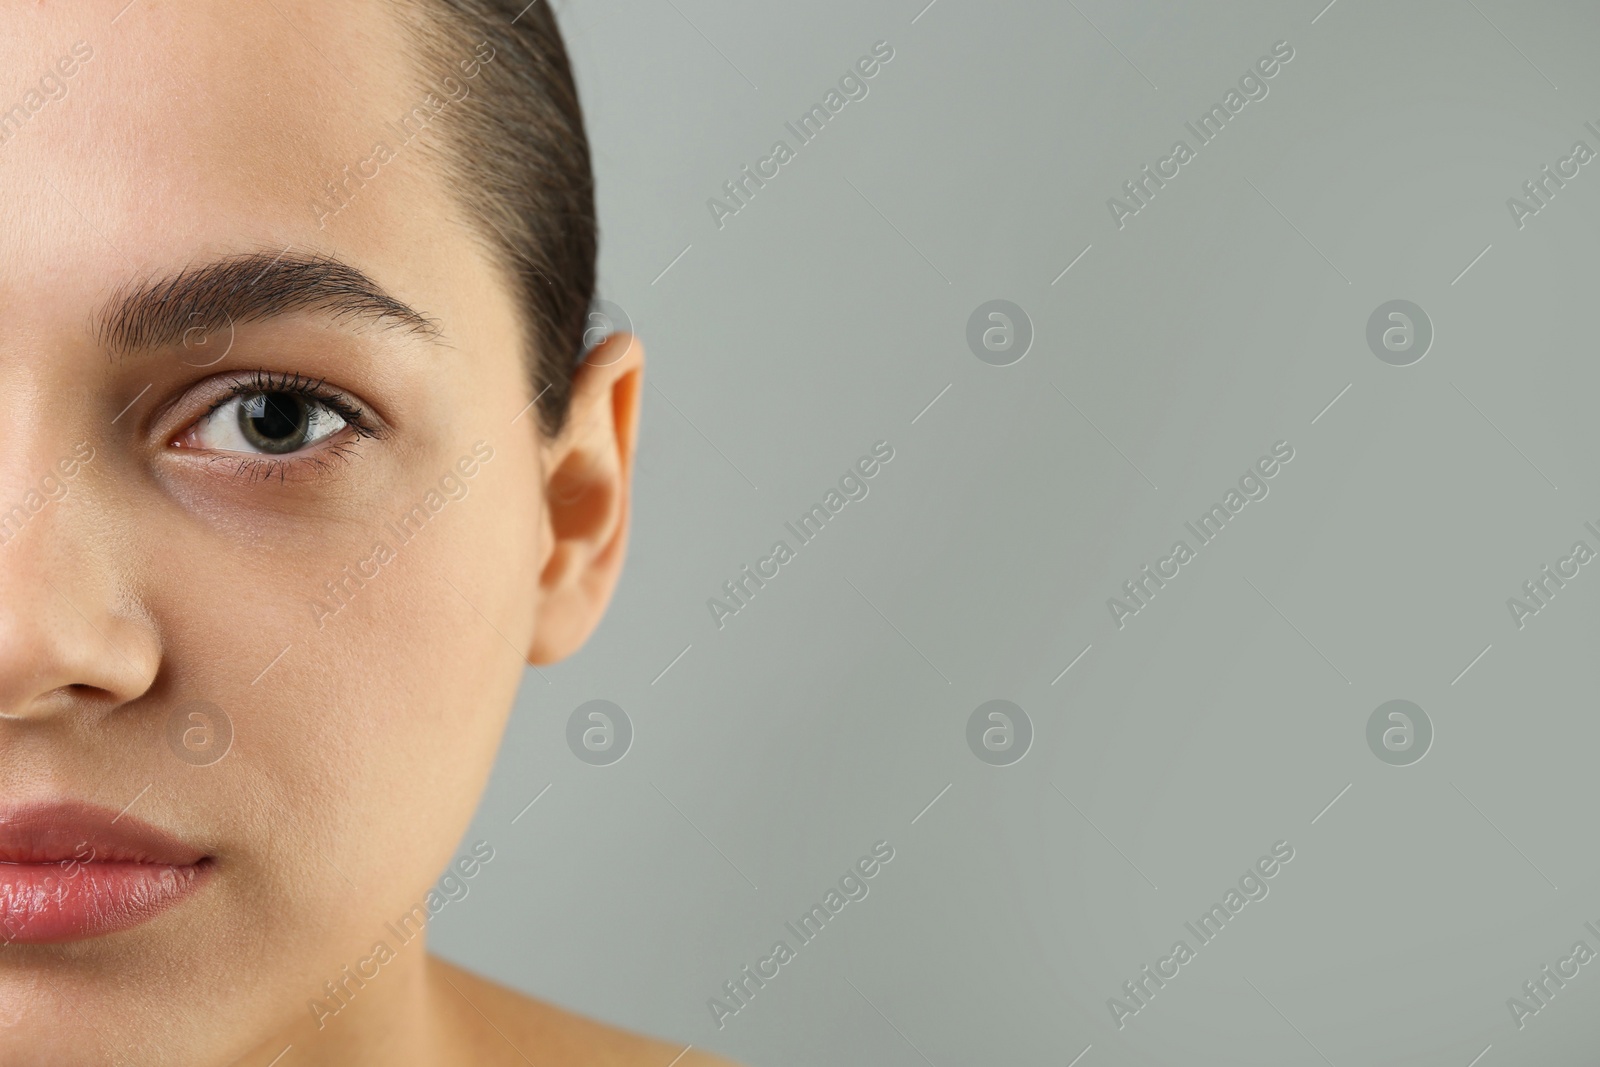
(70, 871)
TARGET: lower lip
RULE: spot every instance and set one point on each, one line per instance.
(42, 903)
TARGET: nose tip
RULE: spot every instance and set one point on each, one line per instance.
(61, 649)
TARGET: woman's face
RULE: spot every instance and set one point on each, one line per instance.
(268, 471)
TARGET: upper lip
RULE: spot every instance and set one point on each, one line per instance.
(70, 830)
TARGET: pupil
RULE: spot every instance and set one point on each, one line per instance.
(275, 422)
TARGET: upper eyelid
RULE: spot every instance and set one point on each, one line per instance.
(340, 401)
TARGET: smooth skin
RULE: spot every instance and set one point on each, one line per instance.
(171, 570)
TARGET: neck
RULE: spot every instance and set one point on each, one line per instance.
(380, 1009)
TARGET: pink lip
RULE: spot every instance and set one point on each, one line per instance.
(70, 871)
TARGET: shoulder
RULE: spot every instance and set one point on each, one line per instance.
(512, 1028)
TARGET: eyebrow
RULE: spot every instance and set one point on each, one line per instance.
(249, 287)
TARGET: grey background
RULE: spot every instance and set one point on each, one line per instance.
(1228, 714)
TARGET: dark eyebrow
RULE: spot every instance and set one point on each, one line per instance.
(249, 287)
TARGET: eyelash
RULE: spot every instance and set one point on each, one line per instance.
(255, 468)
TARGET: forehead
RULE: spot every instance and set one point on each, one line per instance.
(194, 128)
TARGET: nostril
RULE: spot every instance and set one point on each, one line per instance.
(70, 645)
(82, 691)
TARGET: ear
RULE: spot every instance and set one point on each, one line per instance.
(588, 476)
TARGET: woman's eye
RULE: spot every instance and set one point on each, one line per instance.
(266, 423)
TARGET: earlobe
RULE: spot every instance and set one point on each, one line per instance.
(588, 472)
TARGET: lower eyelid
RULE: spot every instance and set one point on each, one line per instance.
(256, 466)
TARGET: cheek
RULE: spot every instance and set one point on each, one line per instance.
(371, 737)
(427, 656)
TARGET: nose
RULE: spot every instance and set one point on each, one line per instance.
(70, 636)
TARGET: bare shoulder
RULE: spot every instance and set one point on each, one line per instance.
(507, 1027)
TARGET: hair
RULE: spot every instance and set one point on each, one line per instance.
(519, 157)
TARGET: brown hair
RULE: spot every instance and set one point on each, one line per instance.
(518, 155)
